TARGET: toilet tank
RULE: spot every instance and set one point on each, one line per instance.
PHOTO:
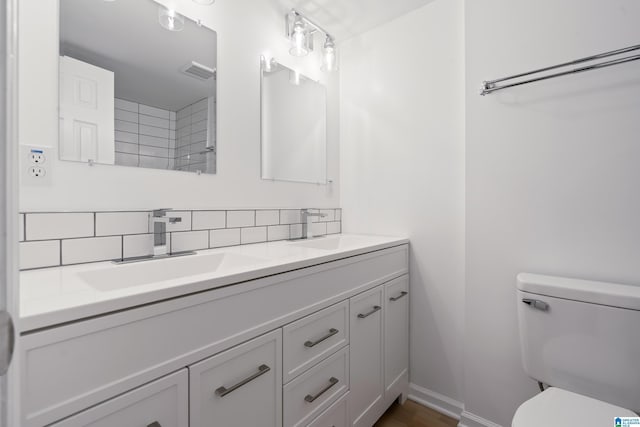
(582, 336)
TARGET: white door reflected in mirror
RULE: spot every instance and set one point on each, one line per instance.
(294, 126)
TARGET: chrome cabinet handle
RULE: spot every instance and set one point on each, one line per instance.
(375, 308)
(332, 381)
(154, 424)
(223, 391)
(331, 333)
(403, 293)
(536, 303)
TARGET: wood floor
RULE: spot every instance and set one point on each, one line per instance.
(412, 414)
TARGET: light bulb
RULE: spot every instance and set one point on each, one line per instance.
(170, 19)
(298, 40)
(329, 60)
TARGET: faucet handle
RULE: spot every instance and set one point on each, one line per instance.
(159, 213)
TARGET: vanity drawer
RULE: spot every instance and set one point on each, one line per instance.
(240, 387)
(310, 339)
(308, 395)
(335, 416)
(163, 403)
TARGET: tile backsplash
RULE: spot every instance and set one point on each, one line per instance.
(63, 238)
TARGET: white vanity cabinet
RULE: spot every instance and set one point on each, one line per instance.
(239, 387)
(162, 403)
(323, 346)
(367, 357)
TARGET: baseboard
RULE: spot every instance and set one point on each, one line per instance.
(436, 401)
(467, 419)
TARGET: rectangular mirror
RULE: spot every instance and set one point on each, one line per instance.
(294, 126)
(137, 86)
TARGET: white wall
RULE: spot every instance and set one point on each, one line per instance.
(552, 173)
(402, 154)
(246, 29)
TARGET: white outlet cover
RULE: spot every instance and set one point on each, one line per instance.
(34, 165)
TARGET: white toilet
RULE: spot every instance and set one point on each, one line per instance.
(583, 339)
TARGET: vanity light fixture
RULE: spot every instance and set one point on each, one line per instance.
(170, 19)
(329, 59)
(301, 30)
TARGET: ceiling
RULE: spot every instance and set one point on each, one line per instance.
(124, 37)
(348, 18)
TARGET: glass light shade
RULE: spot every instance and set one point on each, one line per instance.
(298, 40)
(170, 19)
(329, 60)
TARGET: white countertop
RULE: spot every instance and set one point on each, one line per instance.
(57, 295)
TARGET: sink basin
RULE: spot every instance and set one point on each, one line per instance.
(127, 275)
(330, 243)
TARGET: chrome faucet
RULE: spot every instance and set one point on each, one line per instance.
(158, 221)
(307, 233)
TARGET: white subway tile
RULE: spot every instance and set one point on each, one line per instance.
(189, 241)
(126, 105)
(152, 111)
(319, 228)
(278, 232)
(183, 225)
(154, 141)
(154, 121)
(131, 138)
(125, 115)
(172, 115)
(198, 126)
(200, 105)
(39, 254)
(45, 226)
(334, 227)
(271, 217)
(205, 220)
(295, 231)
(122, 126)
(225, 237)
(21, 227)
(330, 215)
(146, 150)
(112, 223)
(137, 245)
(338, 215)
(253, 235)
(185, 112)
(126, 148)
(240, 219)
(153, 131)
(198, 116)
(290, 216)
(75, 251)
(123, 159)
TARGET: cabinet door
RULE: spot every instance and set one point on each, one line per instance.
(396, 337)
(240, 387)
(366, 368)
(161, 403)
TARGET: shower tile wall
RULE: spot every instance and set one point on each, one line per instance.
(145, 136)
(195, 132)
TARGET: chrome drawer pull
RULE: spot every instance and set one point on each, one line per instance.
(223, 391)
(331, 333)
(154, 424)
(332, 381)
(403, 293)
(536, 303)
(375, 308)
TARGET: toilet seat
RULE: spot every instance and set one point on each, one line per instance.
(556, 407)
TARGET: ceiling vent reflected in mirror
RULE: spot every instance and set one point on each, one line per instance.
(198, 71)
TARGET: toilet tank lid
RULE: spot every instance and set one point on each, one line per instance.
(602, 293)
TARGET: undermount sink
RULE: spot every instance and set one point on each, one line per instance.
(328, 243)
(152, 271)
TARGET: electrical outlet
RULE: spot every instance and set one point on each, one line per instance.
(36, 156)
(36, 170)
